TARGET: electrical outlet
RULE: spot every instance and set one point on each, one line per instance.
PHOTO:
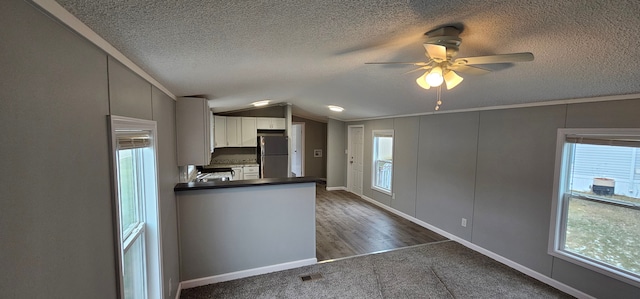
(464, 222)
(393, 196)
(170, 286)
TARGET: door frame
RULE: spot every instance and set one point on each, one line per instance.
(349, 151)
(302, 141)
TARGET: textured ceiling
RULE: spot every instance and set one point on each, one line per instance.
(311, 53)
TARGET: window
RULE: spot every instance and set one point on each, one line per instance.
(136, 200)
(596, 214)
(382, 169)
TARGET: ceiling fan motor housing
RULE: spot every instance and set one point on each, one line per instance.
(448, 37)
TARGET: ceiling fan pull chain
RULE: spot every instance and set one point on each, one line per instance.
(438, 95)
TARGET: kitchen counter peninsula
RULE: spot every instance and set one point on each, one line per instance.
(235, 229)
(242, 183)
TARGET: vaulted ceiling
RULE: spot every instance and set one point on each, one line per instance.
(312, 53)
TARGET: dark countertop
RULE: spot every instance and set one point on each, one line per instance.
(242, 183)
(228, 165)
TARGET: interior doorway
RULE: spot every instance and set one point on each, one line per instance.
(297, 149)
(355, 166)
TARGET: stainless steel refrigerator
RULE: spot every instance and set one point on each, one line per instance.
(273, 156)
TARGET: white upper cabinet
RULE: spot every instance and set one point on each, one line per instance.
(220, 124)
(212, 132)
(234, 131)
(193, 125)
(231, 131)
(270, 123)
(249, 132)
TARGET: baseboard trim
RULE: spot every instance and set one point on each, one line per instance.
(343, 188)
(527, 271)
(244, 273)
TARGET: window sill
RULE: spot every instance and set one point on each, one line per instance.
(597, 267)
(385, 191)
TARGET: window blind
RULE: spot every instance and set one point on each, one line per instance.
(627, 141)
(133, 140)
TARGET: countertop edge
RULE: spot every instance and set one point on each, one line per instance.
(242, 183)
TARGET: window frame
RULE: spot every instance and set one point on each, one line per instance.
(560, 207)
(137, 228)
(381, 133)
(149, 229)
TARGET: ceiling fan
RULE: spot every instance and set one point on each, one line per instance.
(441, 49)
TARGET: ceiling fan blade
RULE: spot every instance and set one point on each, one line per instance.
(436, 52)
(422, 81)
(452, 79)
(421, 63)
(499, 58)
(468, 69)
(419, 69)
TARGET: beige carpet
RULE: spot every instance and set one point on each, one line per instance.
(436, 270)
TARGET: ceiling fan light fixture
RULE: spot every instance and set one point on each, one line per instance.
(452, 79)
(422, 81)
(434, 78)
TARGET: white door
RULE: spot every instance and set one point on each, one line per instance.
(355, 167)
(297, 149)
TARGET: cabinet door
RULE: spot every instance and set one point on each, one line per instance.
(220, 127)
(263, 123)
(192, 131)
(249, 132)
(234, 131)
(238, 174)
(279, 124)
(251, 176)
(270, 123)
(212, 132)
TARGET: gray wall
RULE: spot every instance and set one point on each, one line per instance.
(55, 201)
(336, 156)
(514, 183)
(315, 137)
(56, 221)
(129, 94)
(221, 229)
(496, 169)
(405, 152)
(447, 170)
(164, 113)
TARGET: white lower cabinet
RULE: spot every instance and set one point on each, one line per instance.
(251, 172)
(238, 174)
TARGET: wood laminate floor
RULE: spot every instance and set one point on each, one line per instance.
(347, 225)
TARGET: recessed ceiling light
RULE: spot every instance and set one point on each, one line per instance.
(336, 108)
(260, 103)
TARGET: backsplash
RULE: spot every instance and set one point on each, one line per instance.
(233, 155)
